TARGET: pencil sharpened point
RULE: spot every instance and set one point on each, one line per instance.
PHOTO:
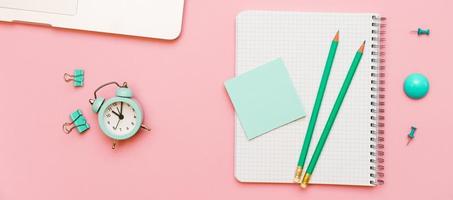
(362, 47)
(337, 36)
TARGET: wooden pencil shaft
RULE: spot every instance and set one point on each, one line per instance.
(318, 101)
(335, 109)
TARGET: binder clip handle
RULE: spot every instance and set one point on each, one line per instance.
(77, 78)
(68, 77)
(68, 127)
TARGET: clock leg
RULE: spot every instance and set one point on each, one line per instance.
(143, 126)
(114, 144)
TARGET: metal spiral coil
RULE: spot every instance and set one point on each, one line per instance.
(377, 112)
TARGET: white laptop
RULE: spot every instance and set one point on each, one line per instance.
(145, 18)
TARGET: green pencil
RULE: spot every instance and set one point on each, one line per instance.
(318, 101)
(333, 115)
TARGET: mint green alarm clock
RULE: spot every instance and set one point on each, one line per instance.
(119, 117)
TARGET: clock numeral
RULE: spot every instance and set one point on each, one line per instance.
(109, 109)
(114, 128)
(132, 123)
(121, 129)
(108, 122)
(135, 116)
(108, 115)
(127, 128)
(114, 104)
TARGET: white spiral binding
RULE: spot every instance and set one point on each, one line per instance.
(377, 113)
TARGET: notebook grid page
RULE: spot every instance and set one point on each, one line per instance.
(302, 40)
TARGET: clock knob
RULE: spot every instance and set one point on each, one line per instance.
(96, 104)
(123, 92)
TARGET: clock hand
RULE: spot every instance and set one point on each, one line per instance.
(121, 112)
(116, 113)
(117, 124)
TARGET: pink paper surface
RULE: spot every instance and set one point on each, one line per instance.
(189, 153)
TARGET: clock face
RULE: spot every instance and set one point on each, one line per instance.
(120, 118)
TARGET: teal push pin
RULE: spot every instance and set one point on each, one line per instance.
(77, 78)
(420, 31)
(416, 86)
(411, 135)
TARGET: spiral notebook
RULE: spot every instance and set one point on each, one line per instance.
(353, 154)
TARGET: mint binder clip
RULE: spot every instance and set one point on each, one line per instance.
(78, 121)
(77, 78)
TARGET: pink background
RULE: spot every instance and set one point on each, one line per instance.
(189, 153)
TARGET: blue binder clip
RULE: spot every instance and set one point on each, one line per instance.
(78, 121)
(77, 78)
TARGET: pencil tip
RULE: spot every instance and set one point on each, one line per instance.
(337, 36)
(362, 47)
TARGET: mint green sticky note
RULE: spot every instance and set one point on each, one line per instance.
(264, 98)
